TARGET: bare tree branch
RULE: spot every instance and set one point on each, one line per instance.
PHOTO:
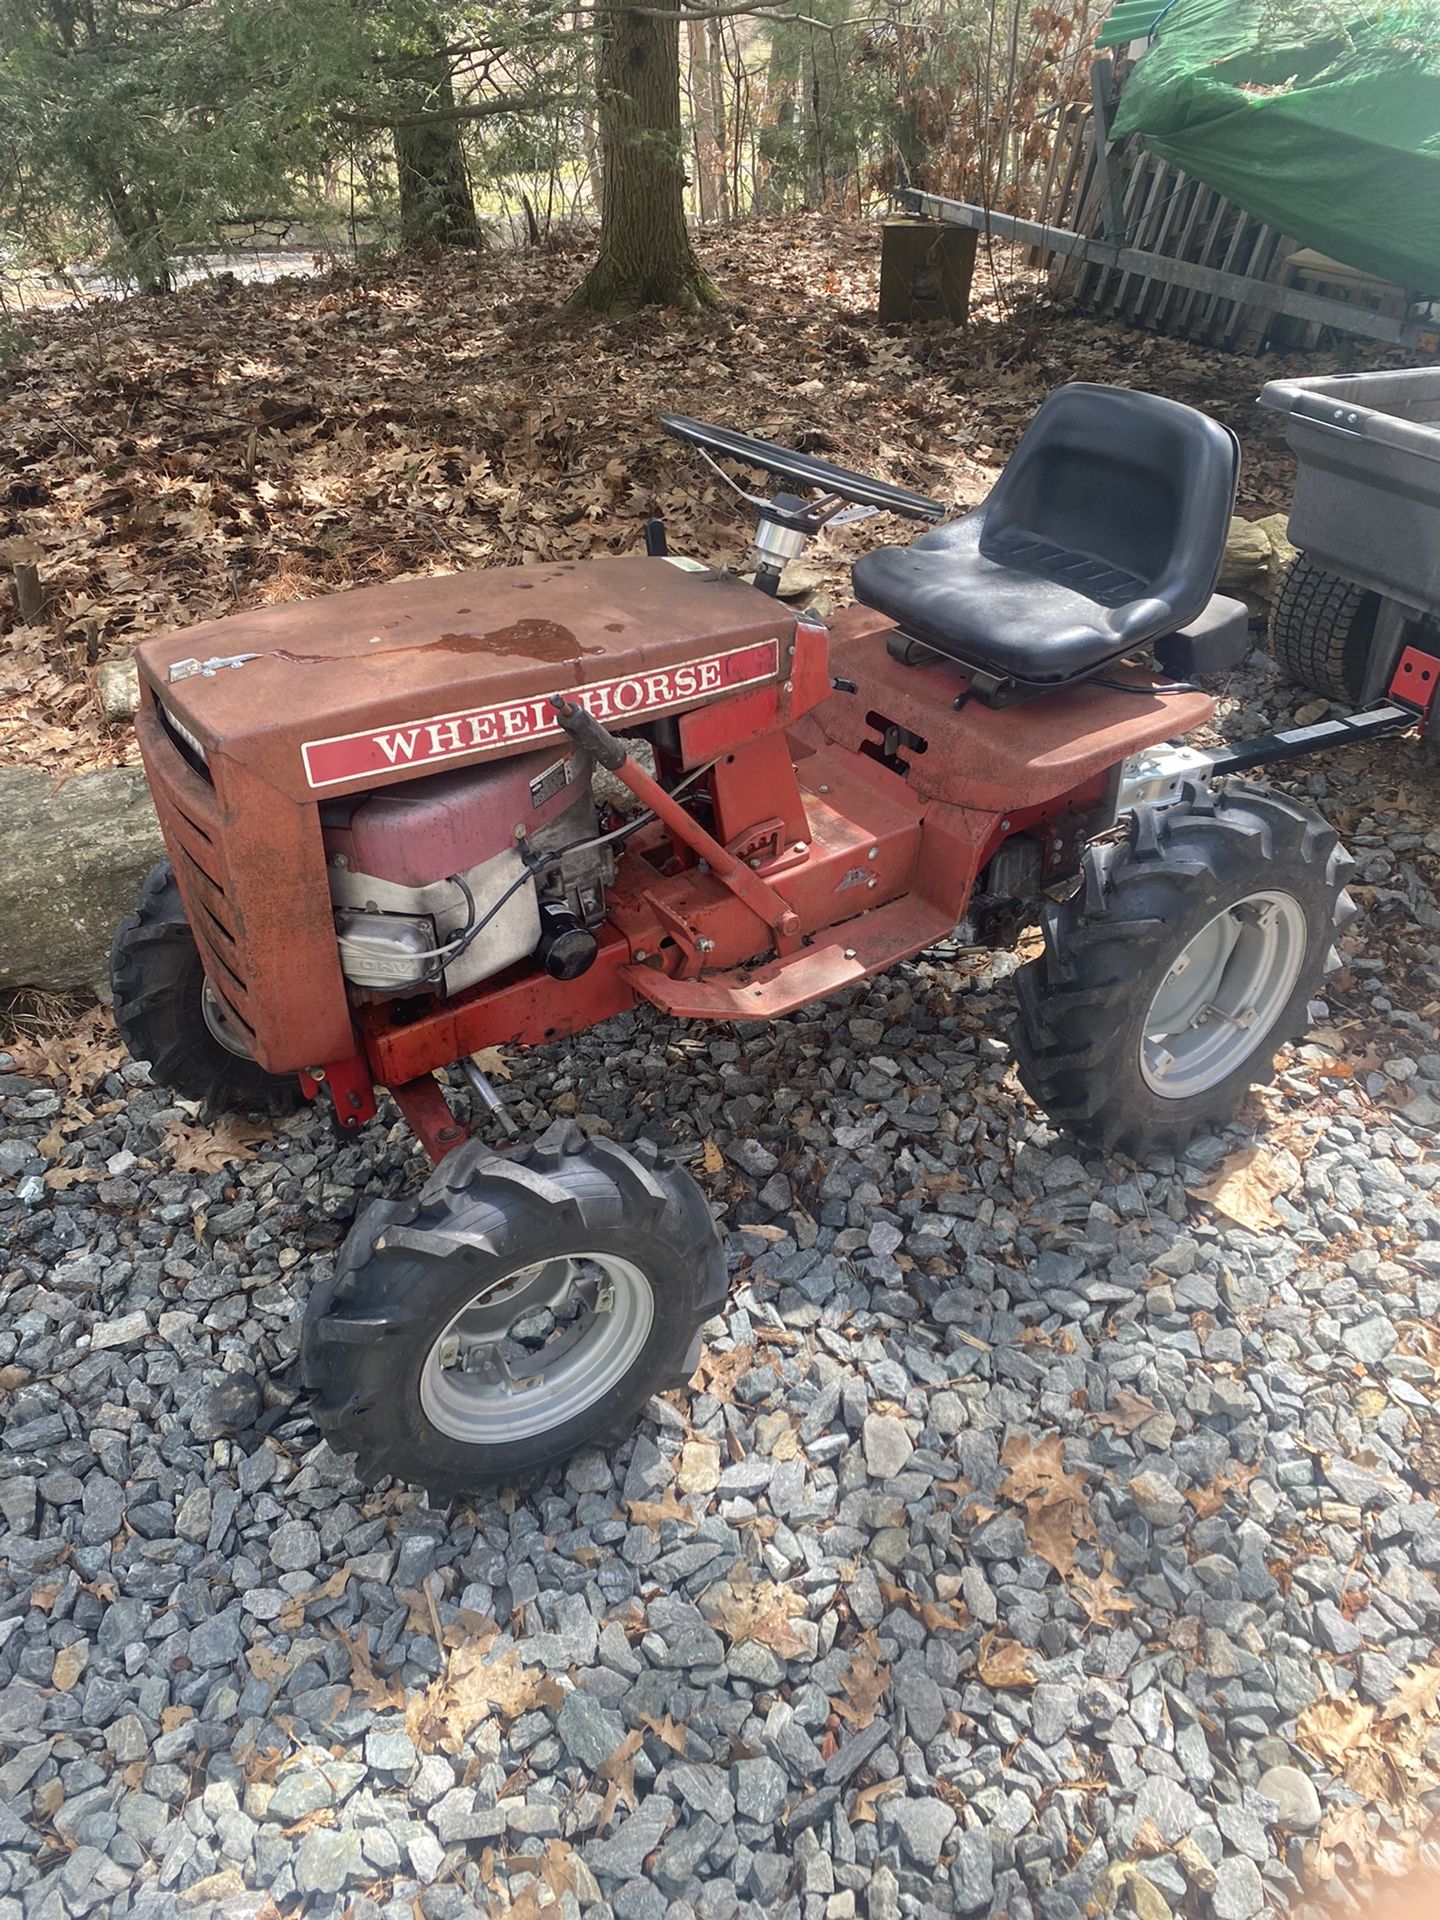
(477, 110)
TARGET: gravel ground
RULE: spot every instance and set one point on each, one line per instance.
(1039, 1541)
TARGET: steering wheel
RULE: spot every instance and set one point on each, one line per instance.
(801, 470)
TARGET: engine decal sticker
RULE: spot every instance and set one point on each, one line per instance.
(454, 736)
(554, 780)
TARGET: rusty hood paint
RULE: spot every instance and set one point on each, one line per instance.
(498, 642)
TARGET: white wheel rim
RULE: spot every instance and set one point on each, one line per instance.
(1223, 993)
(219, 1024)
(536, 1349)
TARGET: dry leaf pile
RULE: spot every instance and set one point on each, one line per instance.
(165, 462)
(1389, 1756)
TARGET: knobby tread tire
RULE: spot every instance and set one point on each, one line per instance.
(368, 1329)
(1108, 948)
(157, 978)
(1321, 627)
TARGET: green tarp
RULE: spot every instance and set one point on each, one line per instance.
(1321, 118)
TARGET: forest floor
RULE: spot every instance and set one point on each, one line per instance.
(166, 462)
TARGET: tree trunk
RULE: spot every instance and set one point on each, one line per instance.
(777, 116)
(710, 181)
(143, 252)
(645, 254)
(436, 208)
(716, 71)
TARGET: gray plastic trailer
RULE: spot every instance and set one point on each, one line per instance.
(1366, 518)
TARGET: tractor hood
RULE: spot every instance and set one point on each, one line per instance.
(359, 689)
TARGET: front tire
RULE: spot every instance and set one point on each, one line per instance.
(523, 1308)
(168, 1018)
(1186, 958)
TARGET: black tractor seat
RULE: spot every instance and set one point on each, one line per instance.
(1104, 534)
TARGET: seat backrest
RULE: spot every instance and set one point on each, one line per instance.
(1140, 485)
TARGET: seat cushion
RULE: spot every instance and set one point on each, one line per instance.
(1023, 610)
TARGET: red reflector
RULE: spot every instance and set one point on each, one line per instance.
(1416, 679)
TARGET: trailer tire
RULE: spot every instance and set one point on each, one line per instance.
(1321, 629)
(1243, 885)
(158, 985)
(494, 1242)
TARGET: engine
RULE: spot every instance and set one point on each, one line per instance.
(444, 881)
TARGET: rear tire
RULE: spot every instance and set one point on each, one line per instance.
(1245, 886)
(158, 985)
(413, 1352)
(1321, 629)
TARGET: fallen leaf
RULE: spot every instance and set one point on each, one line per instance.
(937, 1616)
(711, 1158)
(1334, 1729)
(654, 1513)
(1415, 1698)
(471, 1689)
(1055, 1501)
(377, 1692)
(468, 1628)
(492, 1062)
(718, 1373)
(267, 1665)
(669, 1731)
(1208, 1501)
(1244, 1186)
(61, 1179)
(863, 1806)
(1051, 1531)
(1127, 1411)
(864, 1683)
(1348, 1827)
(80, 1057)
(196, 1148)
(292, 1614)
(1004, 1663)
(619, 1770)
(318, 1818)
(1103, 1598)
(1038, 1472)
(746, 1609)
(557, 1867)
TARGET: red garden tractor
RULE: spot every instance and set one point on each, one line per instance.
(412, 822)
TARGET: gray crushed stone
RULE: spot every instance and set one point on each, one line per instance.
(210, 1632)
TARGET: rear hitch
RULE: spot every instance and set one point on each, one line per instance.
(1160, 774)
(1293, 743)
